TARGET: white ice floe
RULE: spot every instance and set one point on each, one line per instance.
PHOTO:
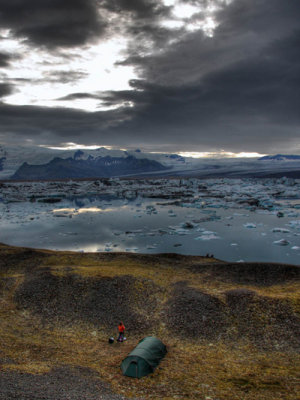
(282, 230)
(295, 248)
(151, 247)
(281, 242)
(132, 249)
(181, 231)
(295, 224)
(207, 235)
(233, 244)
(249, 225)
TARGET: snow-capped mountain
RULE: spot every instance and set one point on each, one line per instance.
(92, 167)
(24, 162)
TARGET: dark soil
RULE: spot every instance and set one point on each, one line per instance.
(101, 301)
(267, 322)
(63, 383)
(21, 259)
(245, 316)
(193, 313)
(258, 274)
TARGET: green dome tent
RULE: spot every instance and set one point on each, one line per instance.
(144, 358)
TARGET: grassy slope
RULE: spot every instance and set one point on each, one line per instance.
(223, 340)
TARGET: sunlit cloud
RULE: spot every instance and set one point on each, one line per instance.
(76, 146)
(47, 77)
(221, 154)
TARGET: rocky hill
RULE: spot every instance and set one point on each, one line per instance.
(232, 330)
(64, 168)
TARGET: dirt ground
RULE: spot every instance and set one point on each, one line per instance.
(232, 330)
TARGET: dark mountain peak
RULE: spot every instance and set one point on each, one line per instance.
(280, 157)
(78, 154)
(99, 167)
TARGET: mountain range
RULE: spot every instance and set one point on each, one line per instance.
(64, 168)
(38, 163)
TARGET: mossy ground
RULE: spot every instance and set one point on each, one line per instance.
(192, 368)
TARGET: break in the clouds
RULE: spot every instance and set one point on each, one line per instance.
(172, 75)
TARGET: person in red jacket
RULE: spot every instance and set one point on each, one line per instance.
(121, 329)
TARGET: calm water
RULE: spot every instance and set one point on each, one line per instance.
(105, 224)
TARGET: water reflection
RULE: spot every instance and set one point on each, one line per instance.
(150, 226)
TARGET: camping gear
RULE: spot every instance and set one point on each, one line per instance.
(144, 358)
(111, 340)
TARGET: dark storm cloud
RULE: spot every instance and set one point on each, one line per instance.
(62, 24)
(145, 9)
(52, 23)
(6, 89)
(79, 96)
(5, 59)
(238, 90)
(55, 125)
(64, 76)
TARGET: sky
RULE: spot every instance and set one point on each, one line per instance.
(185, 76)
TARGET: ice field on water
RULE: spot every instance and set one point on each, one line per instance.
(235, 220)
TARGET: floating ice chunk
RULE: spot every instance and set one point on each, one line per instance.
(250, 225)
(181, 231)
(282, 230)
(207, 235)
(187, 225)
(233, 244)
(151, 247)
(295, 248)
(282, 242)
(295, 224)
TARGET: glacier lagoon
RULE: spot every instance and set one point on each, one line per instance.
(95, 223)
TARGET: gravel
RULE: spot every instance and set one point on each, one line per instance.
(101, 301)
(61, 383)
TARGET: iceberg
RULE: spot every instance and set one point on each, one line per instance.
(282, 230)
(282, 242)
(250, 225)
(207, 235)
